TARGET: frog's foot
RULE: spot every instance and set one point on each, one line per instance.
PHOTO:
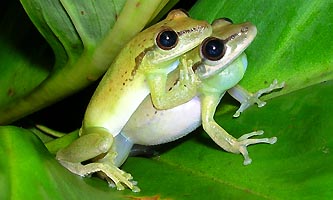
(119, 177)
(244, 141)
(251, 99)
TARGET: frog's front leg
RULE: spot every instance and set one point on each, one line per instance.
(209, 103)
(183, 89)
(247, 99)
(94, 143)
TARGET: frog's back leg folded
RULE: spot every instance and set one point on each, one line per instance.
(77, 152)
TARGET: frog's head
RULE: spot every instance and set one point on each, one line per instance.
(174, 36)
(227, 42)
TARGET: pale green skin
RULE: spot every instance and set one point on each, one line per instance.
(140, 69)
(149, 126)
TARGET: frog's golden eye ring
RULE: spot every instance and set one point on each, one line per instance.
(213, 48)
(167, 39)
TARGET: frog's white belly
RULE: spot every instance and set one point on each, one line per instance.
(148, 126)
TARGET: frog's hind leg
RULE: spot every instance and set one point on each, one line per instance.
(95, 142)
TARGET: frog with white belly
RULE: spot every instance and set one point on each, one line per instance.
(219, 64)
(140, 69)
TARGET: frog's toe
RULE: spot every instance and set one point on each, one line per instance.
(120, 186)
(120, 178)
(244, 152)
(245, 141)
(261, 103)
(272, 140)
(247, 161)
(247, 103)
(136, 189)
(273, 86)
(248, 135)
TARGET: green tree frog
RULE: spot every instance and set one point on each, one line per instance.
(140, 69)
(220, 64)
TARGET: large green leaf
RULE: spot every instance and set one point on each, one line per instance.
(294, 44)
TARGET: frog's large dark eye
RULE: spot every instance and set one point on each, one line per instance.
(213, 48)
(167, 39)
